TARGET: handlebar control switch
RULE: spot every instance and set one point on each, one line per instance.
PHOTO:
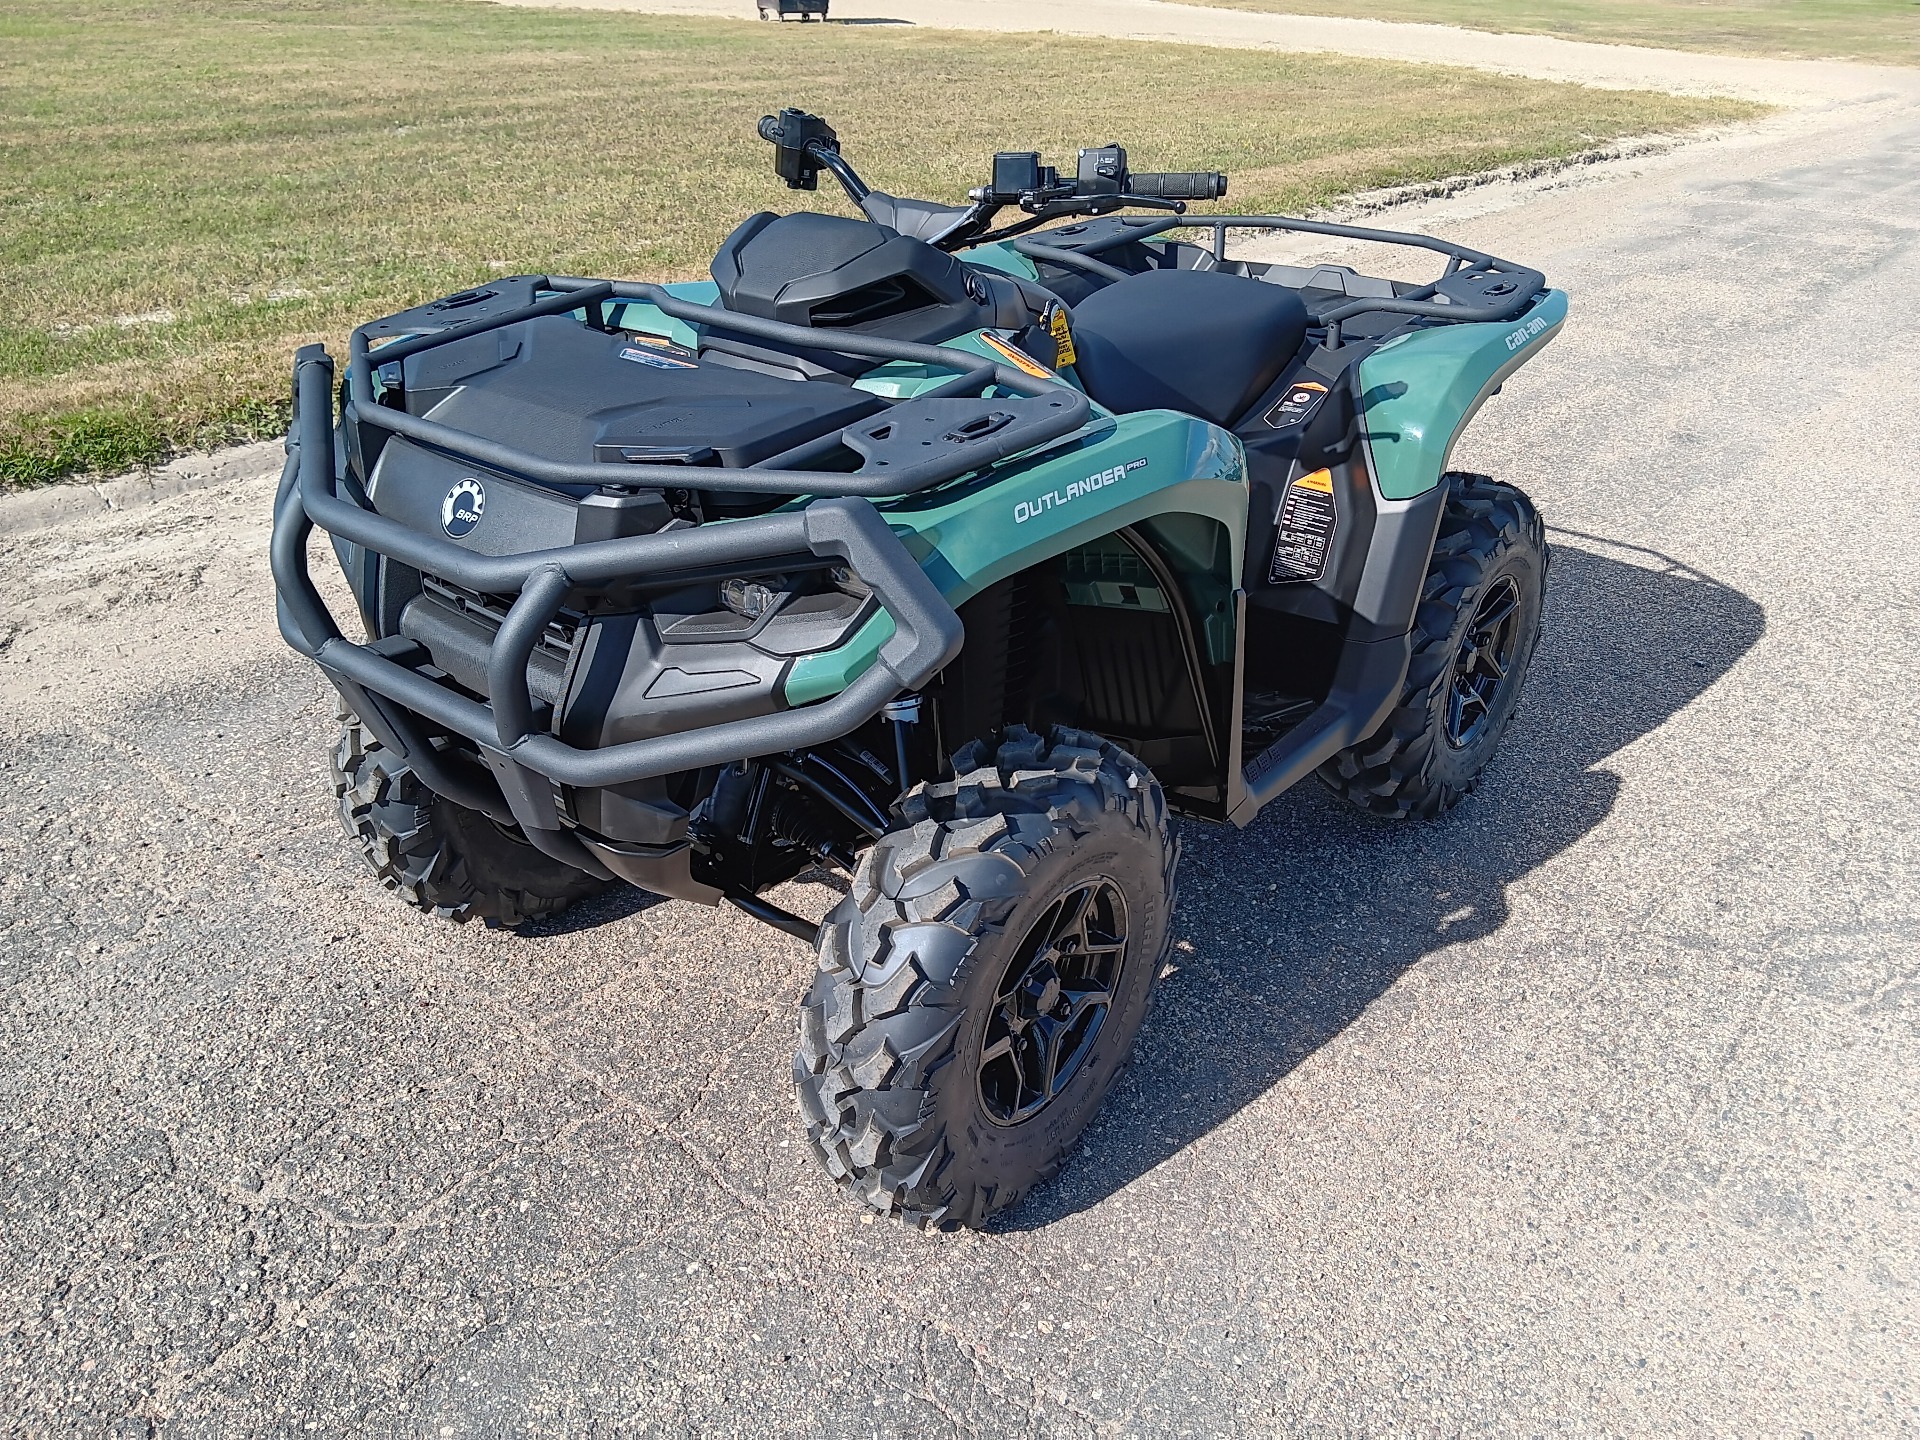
(1102, 171)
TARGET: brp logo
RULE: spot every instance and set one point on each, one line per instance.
(463, 507)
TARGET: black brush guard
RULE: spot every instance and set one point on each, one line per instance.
(380, 681)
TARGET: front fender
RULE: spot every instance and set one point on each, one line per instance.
(1122, 471)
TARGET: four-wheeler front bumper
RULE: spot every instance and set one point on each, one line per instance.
(385, 685)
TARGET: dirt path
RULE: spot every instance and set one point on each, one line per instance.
(1615, 67)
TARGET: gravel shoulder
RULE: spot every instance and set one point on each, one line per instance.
(1591, 1107)
(1616, 67)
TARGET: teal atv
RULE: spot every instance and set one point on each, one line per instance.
(939, 559)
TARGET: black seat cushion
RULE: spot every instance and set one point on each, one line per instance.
(1200, 341)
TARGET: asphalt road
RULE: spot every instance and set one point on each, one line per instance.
(1591, 1107)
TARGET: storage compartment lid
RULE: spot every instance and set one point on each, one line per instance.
(557, 389)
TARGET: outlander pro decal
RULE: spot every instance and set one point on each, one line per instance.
(463, 507)
(1304, 530)
(1025, 510)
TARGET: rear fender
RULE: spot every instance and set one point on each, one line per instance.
(1418, 391)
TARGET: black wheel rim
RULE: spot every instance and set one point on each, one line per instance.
(1482, 663)
(1053, 1001)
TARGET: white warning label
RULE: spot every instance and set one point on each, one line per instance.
(1303, 536)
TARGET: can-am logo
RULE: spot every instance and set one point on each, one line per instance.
(1025, 510)
(463, 507)
(1526, 332)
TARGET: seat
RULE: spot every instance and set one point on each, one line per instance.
(1199, 341)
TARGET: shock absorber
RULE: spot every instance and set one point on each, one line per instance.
(791, 818)
(903, 712)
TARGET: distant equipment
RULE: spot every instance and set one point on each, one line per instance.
(805, 9)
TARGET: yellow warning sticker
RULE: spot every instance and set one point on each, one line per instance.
(1019, 357)
(1321, 480)
(1061, 329)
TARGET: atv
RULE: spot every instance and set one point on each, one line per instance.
(940, 559)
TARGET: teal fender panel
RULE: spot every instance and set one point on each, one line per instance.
(1119, 472)
(1001, 257)
(638, 315)
(1418, 391)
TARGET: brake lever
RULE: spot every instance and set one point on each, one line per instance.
(1059, 200)
(1050, 205)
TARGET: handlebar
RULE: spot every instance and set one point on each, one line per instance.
(804, 145)
(1178, 184)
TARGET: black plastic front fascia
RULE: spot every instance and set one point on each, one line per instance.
(927, 632)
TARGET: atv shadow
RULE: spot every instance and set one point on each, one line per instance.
(1289, 929)
(615, 904)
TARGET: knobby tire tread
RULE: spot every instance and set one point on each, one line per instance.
(436, 856)
(1390, 773)
(869, 1055)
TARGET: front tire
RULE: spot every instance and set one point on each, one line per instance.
(984, 980)
(1473, 638)
(438, 856)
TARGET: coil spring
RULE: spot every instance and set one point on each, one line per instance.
(790, 817)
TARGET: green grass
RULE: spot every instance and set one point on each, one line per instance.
(1885, 31)
(188, 191)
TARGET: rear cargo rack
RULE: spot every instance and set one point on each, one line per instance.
(1509, 297)
(946, 420)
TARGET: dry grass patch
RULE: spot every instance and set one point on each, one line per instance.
(190, 190)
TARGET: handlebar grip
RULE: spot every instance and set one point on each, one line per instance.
(1178, 184)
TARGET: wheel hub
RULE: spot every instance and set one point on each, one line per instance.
(1040, 991)
(1482, 662)
(1052, 1001)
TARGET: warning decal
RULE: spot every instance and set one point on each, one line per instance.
(1304, 530)
(1019, 357)
(1297, 404)
(1061, 329)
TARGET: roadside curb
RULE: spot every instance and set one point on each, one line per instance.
(1394, 197)
(44, 508)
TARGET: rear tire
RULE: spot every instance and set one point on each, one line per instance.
(1479, 613)
(983, 982)
(438, 856)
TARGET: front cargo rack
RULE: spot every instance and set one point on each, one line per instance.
(953, 414)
